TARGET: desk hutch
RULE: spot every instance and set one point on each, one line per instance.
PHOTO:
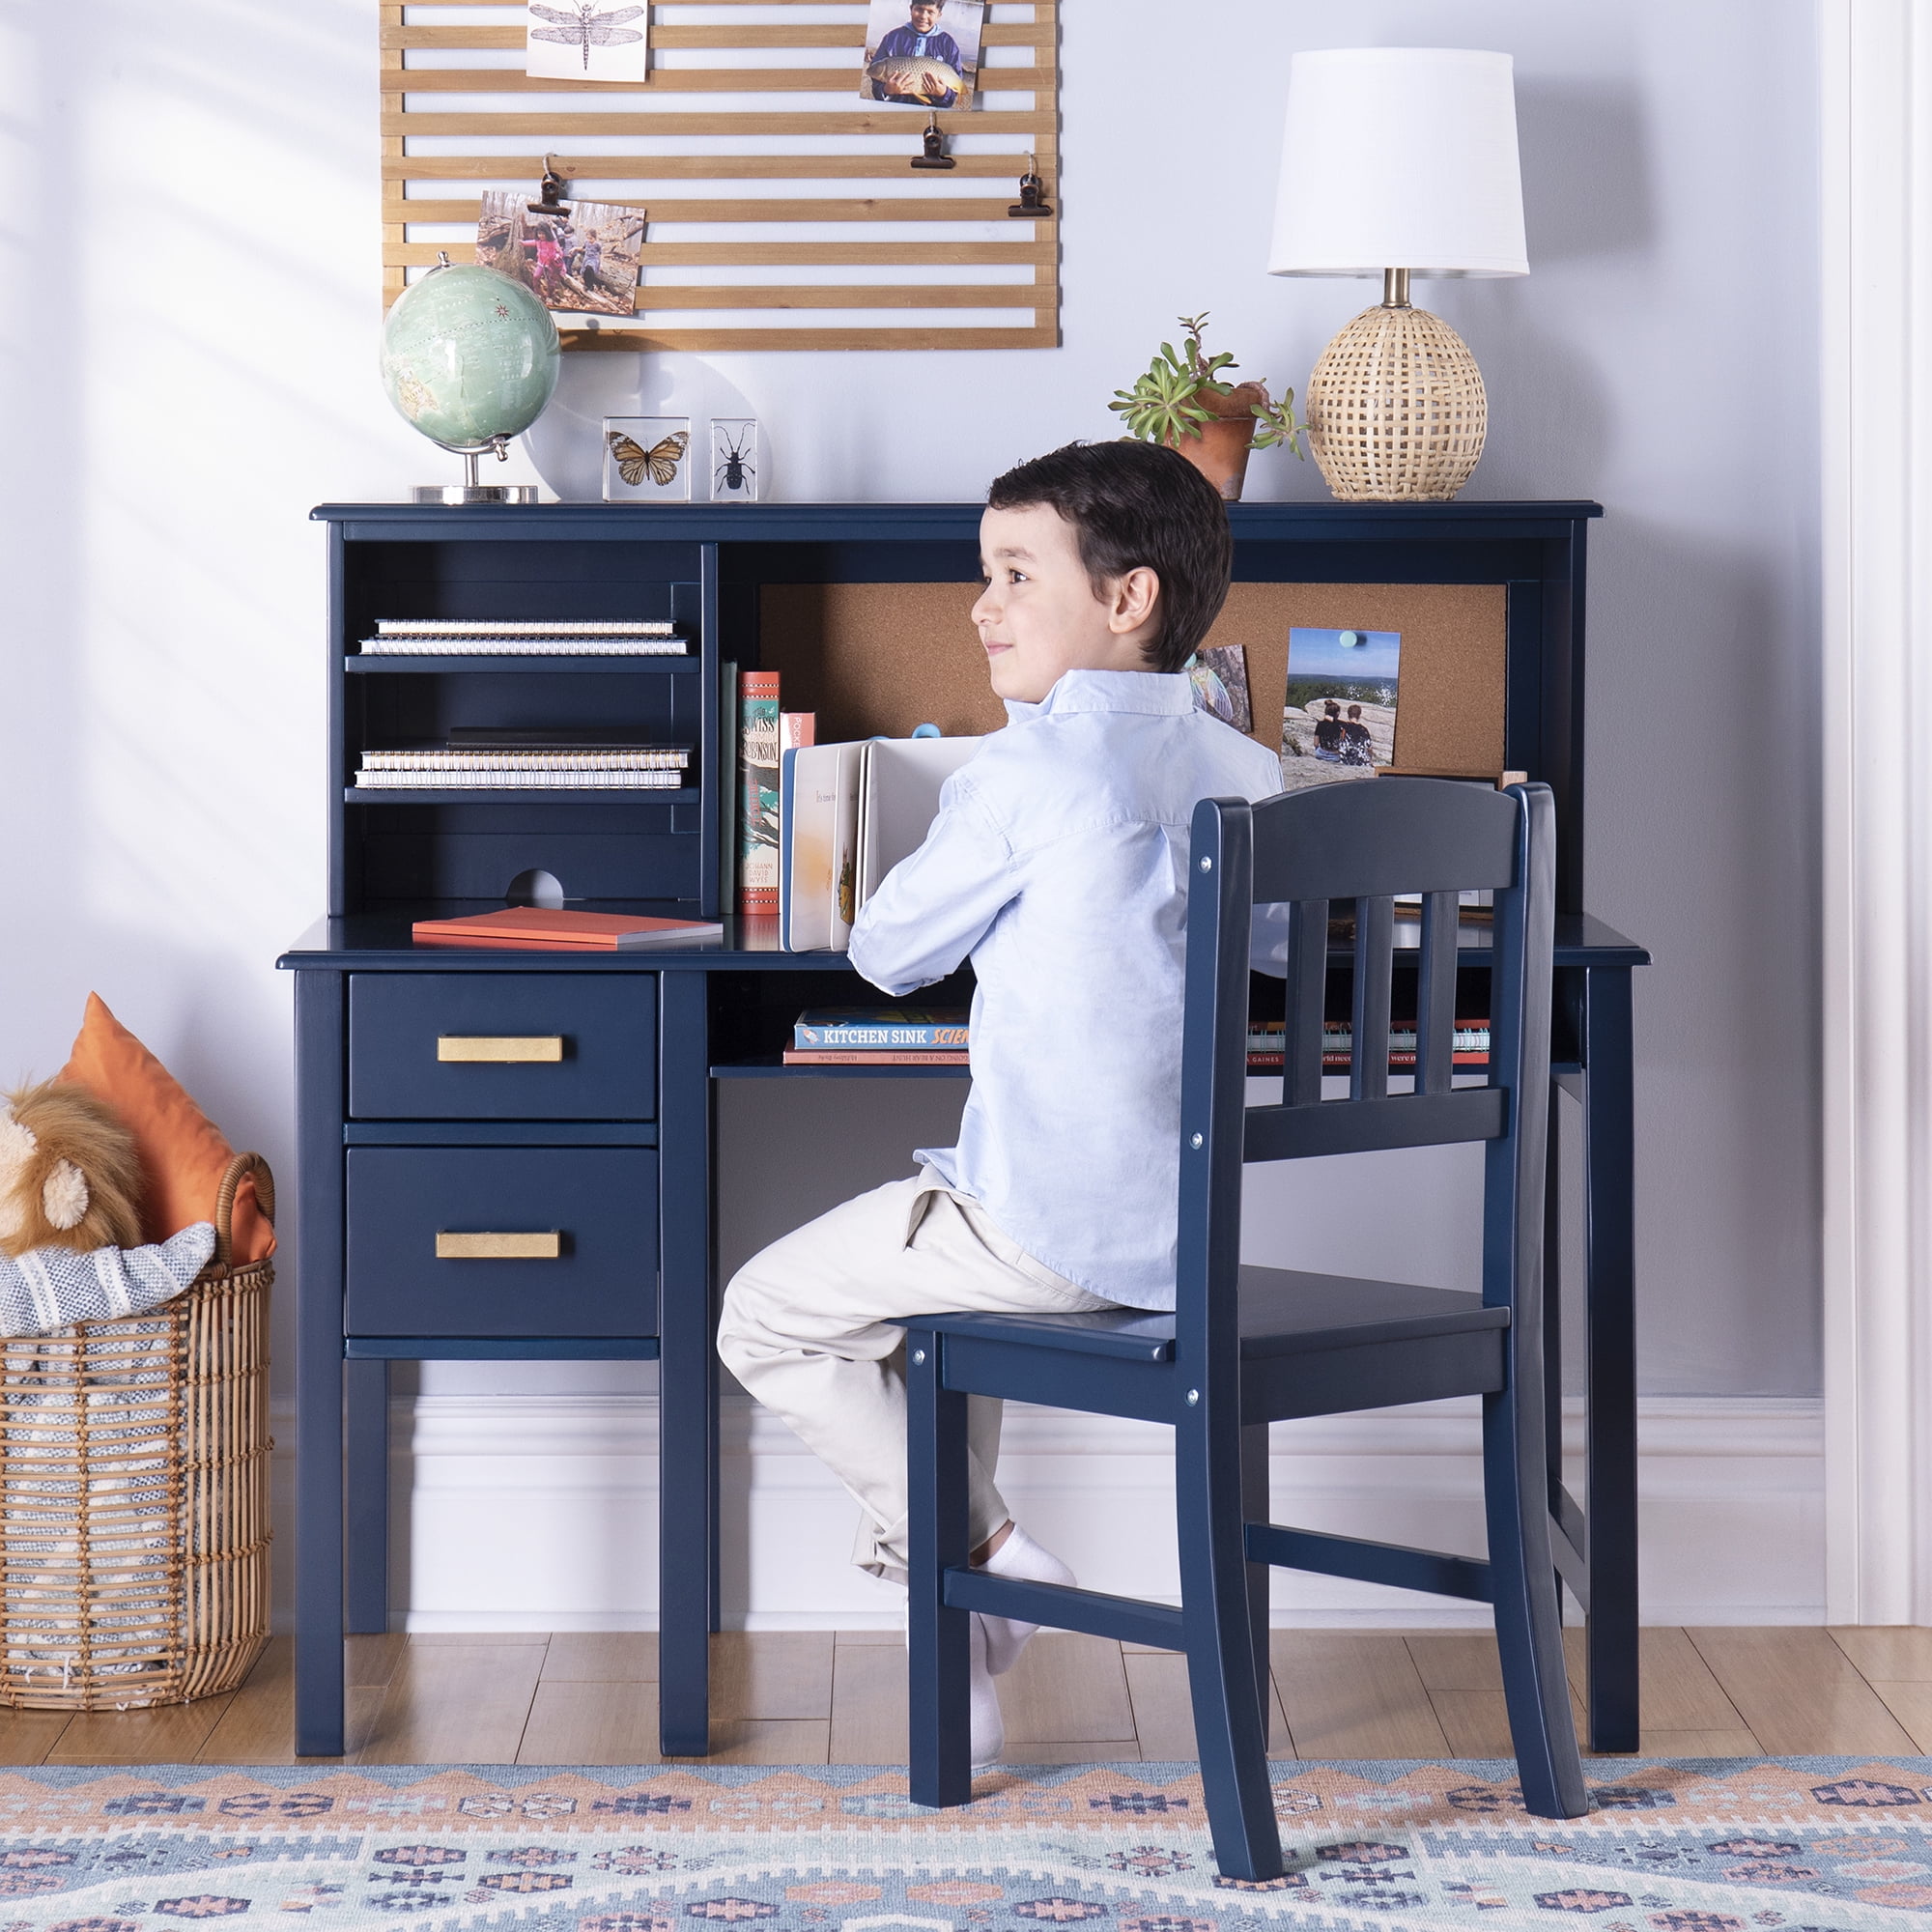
(608, 1149)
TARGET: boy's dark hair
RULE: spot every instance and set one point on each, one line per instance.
(1136, 505)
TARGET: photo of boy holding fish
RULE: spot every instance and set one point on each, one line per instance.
(921, 54)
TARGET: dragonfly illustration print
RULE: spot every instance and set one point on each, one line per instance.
(586, 26)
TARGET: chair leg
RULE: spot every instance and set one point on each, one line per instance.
(1529, 1622)
(938, 1638)
(1256, 1508)
(1221, 1673)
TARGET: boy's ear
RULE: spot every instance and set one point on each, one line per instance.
(1133, 600)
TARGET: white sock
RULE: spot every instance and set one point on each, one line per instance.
(1019, 1556)
(988, 1726)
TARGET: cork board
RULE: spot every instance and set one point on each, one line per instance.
(1454, 659)
(881, 658)
(873, 659)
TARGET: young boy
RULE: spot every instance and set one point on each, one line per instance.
(1058, 863)
(919, 37)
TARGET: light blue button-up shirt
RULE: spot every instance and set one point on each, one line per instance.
(1058, 864)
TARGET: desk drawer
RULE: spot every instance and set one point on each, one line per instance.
(503, 1241)
(502, 1046)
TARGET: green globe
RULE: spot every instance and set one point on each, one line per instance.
(469, 355)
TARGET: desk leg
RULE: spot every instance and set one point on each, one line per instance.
(1609, 1279)
(368, 1464)
(687, 1375)
(319, 1070)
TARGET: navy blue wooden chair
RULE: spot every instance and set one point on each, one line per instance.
(1250, 1345)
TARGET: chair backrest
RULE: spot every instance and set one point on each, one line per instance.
(1272, 870)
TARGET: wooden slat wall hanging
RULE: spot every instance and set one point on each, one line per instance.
(763, 171)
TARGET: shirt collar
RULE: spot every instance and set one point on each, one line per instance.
(1159, 694)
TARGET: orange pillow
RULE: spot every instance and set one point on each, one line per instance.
(184, 1153)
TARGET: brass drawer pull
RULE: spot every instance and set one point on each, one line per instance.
(519, 1049)
(547, 1246)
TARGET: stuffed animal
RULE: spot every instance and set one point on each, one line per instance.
(70, 1176)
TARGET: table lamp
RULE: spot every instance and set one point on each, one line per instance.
(1398, 162)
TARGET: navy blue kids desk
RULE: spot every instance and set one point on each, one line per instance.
(555, 1201)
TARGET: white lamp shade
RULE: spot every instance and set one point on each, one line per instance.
(1399, 157)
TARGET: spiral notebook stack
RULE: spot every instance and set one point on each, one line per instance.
(572, 758)
(523, 638)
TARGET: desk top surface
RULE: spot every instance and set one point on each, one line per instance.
(381, 942)
(765, 523)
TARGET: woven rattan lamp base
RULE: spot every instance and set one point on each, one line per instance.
(1396, 409)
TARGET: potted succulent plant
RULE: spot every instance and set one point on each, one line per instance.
(1182, 402)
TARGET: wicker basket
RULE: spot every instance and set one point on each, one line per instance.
(134, 1494)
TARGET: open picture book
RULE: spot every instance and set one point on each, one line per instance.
(847, 814)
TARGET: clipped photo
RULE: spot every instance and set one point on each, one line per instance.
(1219, 675)
(922, 53)
(1338, 720)
(646, 459)
(581, 257)
(586, 40)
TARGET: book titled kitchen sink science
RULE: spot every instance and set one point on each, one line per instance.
(850, 1029)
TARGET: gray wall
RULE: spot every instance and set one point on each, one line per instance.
(201, 372)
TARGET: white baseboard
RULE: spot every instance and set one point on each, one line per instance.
(539, 1512)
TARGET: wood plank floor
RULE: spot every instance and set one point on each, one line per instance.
(816, 1697)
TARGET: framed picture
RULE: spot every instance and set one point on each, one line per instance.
(922, 53)
(646, 459)
(736, 458)
(1338, 717)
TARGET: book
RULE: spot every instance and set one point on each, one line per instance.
(525, 627)
(847, 814)
(526, 758)
(880, 1029)
(797, 728)
(727, 785)
(758, 793)
(1470, 1047)
(899, 1057)
(492, 779)
(818, 793)
(1501, 781)
(556, 928)
(898, 799)
(531, 647)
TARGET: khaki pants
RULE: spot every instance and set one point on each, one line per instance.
(809, 1326)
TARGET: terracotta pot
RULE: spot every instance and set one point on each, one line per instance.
(1219, 449)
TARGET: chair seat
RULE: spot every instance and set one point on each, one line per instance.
(1284, 1311)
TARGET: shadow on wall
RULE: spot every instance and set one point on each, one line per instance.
(1586, 188)
(1705, 751)
(1587, 196)
(566, 443)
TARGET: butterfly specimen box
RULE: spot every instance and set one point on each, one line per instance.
(646, 459)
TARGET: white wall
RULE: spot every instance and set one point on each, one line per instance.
(190, 291)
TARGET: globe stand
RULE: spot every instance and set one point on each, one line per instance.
(470, 490)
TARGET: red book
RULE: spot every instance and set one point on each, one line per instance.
(759, 749)
(553, 929)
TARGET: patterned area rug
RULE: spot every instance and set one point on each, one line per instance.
(1806, 1844)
